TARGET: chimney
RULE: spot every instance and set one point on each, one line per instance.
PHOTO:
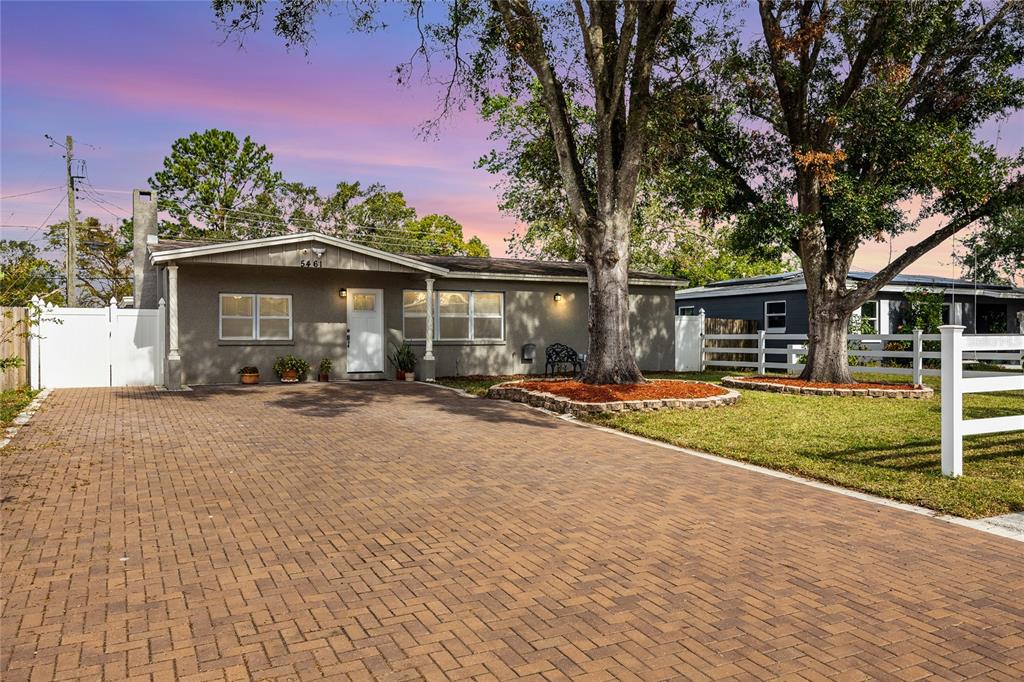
(145, 290)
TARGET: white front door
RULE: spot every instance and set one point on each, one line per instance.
(365, 330)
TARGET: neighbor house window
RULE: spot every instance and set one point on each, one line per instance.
(458, 315)
(255, 317)
(865, 320)
(775, 316)
(686, 310)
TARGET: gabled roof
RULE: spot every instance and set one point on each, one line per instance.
(455, 267)
(162, 252)
(794, 281)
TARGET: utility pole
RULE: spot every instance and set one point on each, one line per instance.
(71, 266)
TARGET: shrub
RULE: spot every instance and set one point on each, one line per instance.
(290, 362)
(403, 358)
(249, 369)
(326, 365)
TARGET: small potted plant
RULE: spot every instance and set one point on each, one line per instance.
(404, 361)
(324, 373)
(249, 374)
(291, 369)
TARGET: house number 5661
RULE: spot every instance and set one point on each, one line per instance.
(309, 263)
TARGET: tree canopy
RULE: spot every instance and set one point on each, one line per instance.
(26, 272)
(211, 179)
(843, 123)
(215, 186)
(996, 253)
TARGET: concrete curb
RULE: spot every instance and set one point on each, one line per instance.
(1010, 526)
(23, 417)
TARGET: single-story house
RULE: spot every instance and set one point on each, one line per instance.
(778, 303)
(238, 303)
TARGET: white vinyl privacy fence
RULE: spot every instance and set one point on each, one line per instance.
(87, 347)
(955, 385)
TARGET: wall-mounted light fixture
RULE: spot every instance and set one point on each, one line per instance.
(343, 292)
(558, 298)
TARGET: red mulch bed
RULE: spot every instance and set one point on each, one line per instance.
(610, 393)
(824, 384)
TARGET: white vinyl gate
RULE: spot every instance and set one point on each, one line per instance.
(86, 347)
(689, 339)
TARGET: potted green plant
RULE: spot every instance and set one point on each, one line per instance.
(404, 361)
(249, 374)
(291, 369)
(324, 372)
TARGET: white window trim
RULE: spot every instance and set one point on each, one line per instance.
(784, 313)
(471, 315)
(878, 314)
(691, 308)
(405, 315)
(255, 317)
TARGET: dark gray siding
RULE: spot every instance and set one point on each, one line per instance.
(751, 307)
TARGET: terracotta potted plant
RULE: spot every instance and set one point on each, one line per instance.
(291, 369)
(249, 374)
(404, 361)
(324, 373)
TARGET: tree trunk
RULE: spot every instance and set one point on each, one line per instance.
(827, 356)
(610, 357)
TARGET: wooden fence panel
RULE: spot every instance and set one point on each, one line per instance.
(14, 341)
(723, 325)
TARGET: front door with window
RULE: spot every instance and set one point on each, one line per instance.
(365, 330)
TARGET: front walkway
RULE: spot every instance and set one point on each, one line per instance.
(396, 532)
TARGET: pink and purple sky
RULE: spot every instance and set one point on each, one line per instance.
(126, 79)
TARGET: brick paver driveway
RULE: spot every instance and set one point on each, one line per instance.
(396, 532)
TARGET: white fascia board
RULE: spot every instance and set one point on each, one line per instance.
(991, 293)
(715, 292)
(245, 245)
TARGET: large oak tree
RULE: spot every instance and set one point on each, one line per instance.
(605, 51)
(845, 122)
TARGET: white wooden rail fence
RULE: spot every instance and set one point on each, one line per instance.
(955, 384)
(792, 346)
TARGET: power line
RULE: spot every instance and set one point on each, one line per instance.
(38, 191)
(45, 220)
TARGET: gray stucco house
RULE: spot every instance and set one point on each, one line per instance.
(778, 303)
(231, 304)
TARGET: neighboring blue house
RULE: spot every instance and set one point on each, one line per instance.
(778, 303)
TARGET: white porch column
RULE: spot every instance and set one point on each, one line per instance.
(429, 371)
(173, 375)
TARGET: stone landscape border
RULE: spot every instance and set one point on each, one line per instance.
(918, 393)
(556, 403)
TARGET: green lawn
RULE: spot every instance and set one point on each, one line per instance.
(882, 446)
(13, 402)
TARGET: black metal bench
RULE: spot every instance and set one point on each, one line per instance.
(558, 354)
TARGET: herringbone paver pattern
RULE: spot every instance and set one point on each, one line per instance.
(399, 532)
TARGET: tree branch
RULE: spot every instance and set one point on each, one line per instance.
(526, 39)
(1013, 194)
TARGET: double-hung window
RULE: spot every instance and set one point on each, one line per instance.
(255, 317)
(865, 320)
(458, 315)
(775, 316)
